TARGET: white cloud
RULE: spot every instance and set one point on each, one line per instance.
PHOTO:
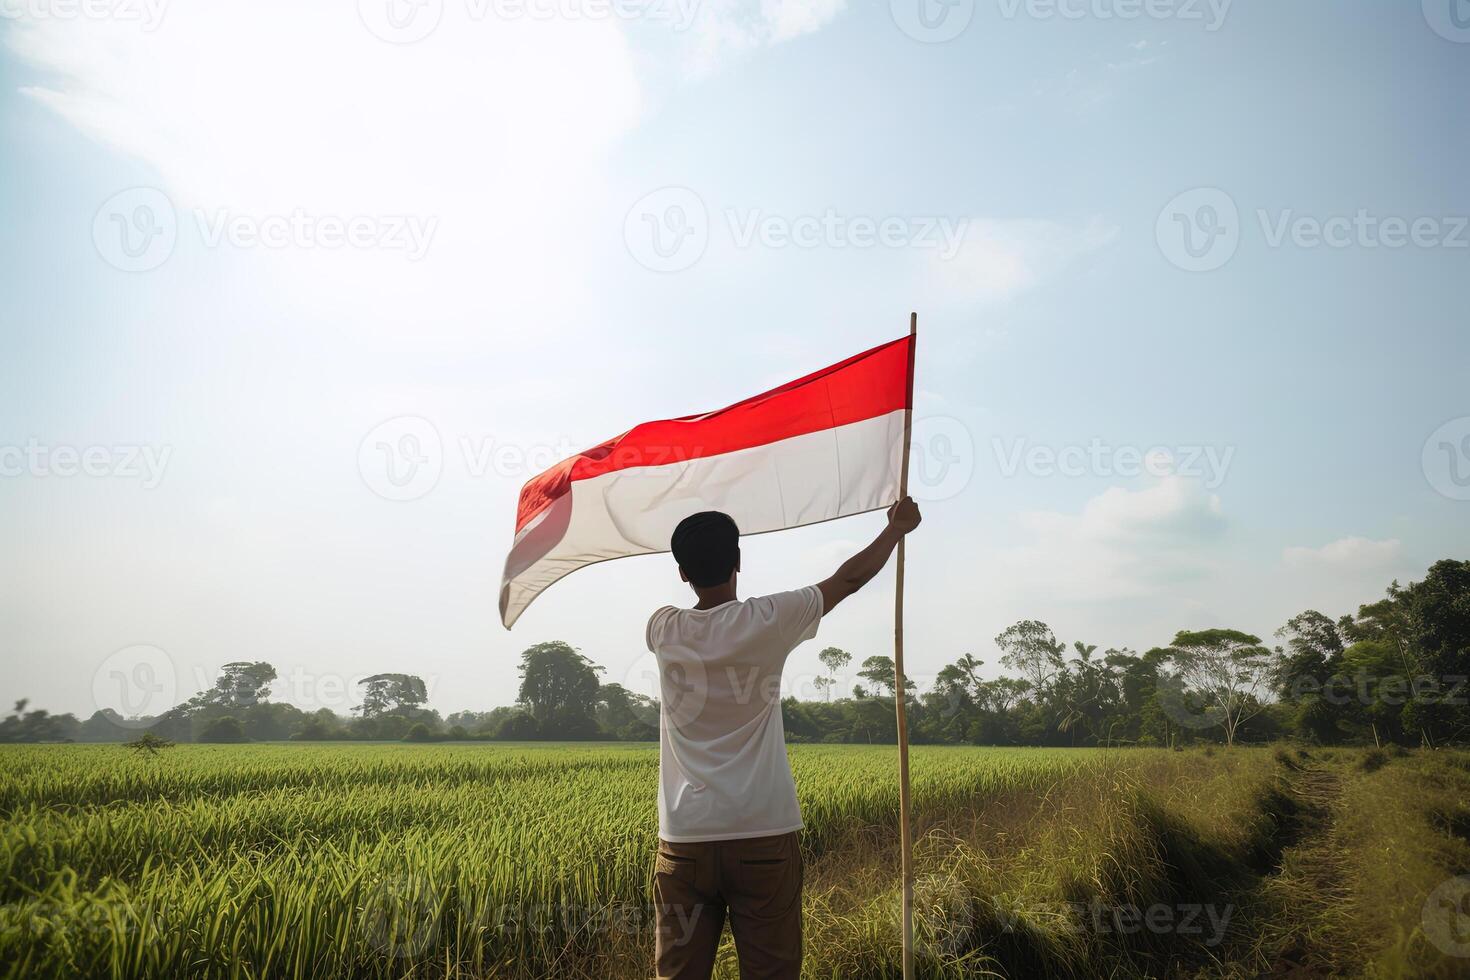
(1347, 554)
(724, 29)
(787, 19)
(1122, 544)
(999, 260)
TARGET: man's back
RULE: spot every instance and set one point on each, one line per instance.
(723, 772)
(728, 818)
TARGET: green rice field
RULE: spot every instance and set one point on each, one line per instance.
(491, 860)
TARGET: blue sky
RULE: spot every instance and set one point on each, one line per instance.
(502, 300)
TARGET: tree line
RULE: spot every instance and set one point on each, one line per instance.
(1395, 672)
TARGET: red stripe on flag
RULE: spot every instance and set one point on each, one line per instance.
(864, 386)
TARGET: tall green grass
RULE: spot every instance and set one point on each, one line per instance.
(379, 861)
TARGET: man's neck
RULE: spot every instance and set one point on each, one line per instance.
(716, 596)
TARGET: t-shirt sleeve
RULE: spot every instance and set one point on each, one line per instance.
(797, 614)
(653, 633)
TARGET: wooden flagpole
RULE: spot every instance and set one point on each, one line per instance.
(898, 685)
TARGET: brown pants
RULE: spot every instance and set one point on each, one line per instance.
(757, 880)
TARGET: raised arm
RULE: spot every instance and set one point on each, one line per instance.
(859, 570)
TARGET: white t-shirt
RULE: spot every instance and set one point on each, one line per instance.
(722, 768)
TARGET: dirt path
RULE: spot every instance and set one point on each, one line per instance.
(1309, 888)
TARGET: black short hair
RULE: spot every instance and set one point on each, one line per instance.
(707, 547)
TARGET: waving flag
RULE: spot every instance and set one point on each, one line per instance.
(824, 446)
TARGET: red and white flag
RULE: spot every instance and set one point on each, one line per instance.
(824, 446)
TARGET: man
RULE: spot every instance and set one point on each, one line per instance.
(727, 807)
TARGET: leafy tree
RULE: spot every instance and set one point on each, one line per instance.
(490, 721)
(1000, 694)
(470, 721)
(271, 721)
(518, 727)
(36, 726)
(880, 673)
(1314, 646)
(105, 725)
(967, 672)
(1308, 669)
(954, 705)
(626, 714)
(421, 732)
(872, 720)
(1438, 616)
(1228, 668)
(1084, 690)
(391, 694)
(320, 726)
(560, 688)
(835, 659)
(225, 728)
(1033, 651)
(177, 723)
(389, 727)
(241, 684)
